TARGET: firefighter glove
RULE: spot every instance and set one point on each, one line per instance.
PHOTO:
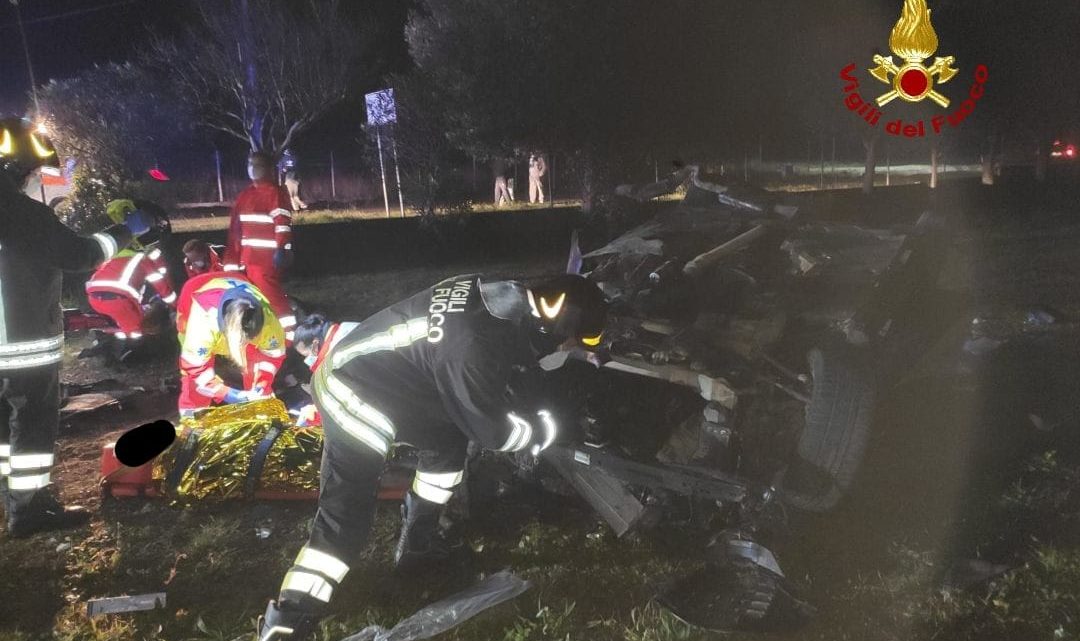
(138, 222)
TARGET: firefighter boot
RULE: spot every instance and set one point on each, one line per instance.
(421, 542)
(42, 513)
(286, 623)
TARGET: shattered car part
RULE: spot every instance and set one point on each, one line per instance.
(450, 612)
(114, 605)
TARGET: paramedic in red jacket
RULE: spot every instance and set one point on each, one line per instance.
(200, 258)
(260, 236)
(226, 315)
(121, 286)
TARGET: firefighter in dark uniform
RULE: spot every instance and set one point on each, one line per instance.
(432, 371)
(35, 247)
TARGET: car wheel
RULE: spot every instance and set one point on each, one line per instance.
(836, 430)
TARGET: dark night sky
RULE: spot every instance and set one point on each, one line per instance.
(68, 35)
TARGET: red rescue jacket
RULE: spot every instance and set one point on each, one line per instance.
(260, 225)
(129, 273)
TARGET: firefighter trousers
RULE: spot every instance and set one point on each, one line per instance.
(348, 486)
(29, 420)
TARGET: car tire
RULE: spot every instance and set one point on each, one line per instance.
(836, 430)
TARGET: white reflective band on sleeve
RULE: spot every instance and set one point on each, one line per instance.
(274, 353)
(310, 584)
(430, 492)
(290, 335)
(170, 298)
(5, 469)
(444, 480)
(550, 431)
(35, 360)
(163, 270)
(361, 410)
(256, 218)
(108, 244)
(520, 436)
(282, 229)
(115, 284)
(263, 366)
(271, 634)
(281, 212)
(287, 321)
(5, 450)
(155, 254)
(288, 246)
(255, 242)
(120, 335)
(356, 428)
(30, 461)
(205, 378)
(397, 336)
(154, 277)
(26, 347)
(322, 562)
(231, 268)
(135, 335)
(34, 482)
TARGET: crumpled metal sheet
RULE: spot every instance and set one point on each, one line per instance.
(227, 438)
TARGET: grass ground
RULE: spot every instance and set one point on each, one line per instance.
(957, 473)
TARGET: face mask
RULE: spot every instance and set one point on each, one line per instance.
(310, 360)
(252, 172)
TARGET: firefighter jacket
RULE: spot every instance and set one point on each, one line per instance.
(202, 338)
(446, 355)
(129, 274)
(260, 225)
(35, 248)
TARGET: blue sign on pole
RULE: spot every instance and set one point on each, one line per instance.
(381, 109)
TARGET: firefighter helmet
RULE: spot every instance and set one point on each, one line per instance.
(24, 148)
(569, 306)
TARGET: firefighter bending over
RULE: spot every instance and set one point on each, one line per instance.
(35, 248)
(433, 371)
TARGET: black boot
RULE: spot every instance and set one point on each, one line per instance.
(421, 542)
(285, 623)
(43, 513)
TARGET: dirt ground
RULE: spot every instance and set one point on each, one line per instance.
(958, 471)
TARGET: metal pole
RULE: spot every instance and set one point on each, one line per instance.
(835, 176)
(29, 66)
(382, 170)
(888, 165)
(333, 178)
(746, 166)
(220, 187)
(551, 181)
(821, 174)
(397, 173)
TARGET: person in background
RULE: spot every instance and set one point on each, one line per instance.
(226, 315)
(134, 290)
(260, 237)
(35, 249)
(537, 171)
(433, 370)
(502, 190)
(200, 258)
(287, 168)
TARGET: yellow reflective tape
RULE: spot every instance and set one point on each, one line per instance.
(322, 562)
(310, 584)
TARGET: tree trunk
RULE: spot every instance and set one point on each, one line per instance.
(870, 144)
(934, 153)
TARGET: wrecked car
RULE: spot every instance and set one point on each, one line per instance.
(748, 347)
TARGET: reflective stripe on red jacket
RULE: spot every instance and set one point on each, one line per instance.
(129, 273)
(260, 225)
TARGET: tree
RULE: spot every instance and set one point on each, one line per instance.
(115, 121)
(263, 71)
(601, 84)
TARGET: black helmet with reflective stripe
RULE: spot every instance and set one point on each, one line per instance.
(569, 306)
(24, 148)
